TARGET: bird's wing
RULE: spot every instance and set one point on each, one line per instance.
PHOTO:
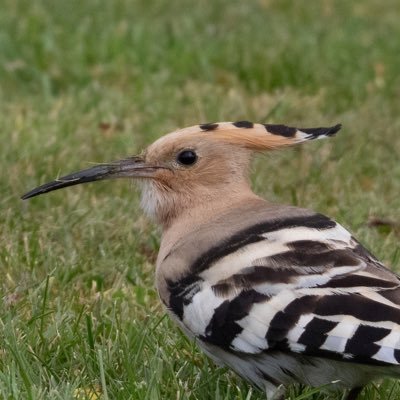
(300, 284)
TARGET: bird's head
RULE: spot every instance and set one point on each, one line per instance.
(194, 165)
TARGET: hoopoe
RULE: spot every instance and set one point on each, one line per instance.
(280, 294)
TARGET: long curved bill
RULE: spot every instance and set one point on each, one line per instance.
(132, 167)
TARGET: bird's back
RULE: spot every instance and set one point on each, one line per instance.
(276, 291)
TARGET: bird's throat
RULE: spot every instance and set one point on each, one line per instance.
(190, 207)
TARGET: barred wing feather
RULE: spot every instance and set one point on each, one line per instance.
(302, 286)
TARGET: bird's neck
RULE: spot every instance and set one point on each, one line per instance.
(193, 206)
(203, 212)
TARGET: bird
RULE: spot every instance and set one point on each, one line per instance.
(280, 294)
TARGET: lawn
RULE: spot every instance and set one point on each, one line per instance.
(92, 81)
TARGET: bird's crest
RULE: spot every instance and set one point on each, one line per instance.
(259, 137)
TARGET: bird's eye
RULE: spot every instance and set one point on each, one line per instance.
(187, 157)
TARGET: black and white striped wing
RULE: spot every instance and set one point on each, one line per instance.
(301, 285)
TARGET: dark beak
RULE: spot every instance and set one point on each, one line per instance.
(133, 167)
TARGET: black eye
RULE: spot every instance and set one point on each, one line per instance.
(187, 157)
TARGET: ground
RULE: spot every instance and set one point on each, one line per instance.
(93, 81)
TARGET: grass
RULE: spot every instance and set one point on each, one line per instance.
(95, 81)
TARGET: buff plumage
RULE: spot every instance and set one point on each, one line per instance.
(282, 295)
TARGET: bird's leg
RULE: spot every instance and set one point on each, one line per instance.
(275, 392)
(353, 394)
